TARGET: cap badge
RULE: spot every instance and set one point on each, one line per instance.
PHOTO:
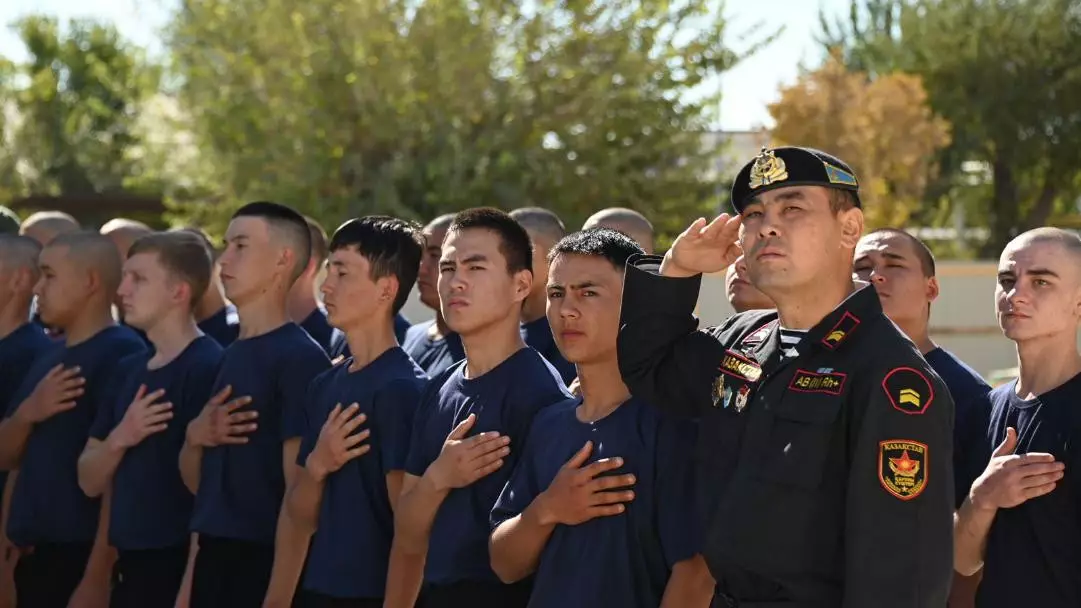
(767, 169)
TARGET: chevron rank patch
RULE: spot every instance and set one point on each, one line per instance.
(902, 467)
(909, 390)
(844, 326)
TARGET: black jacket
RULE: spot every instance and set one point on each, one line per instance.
(826, 479)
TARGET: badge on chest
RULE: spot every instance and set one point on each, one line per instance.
(735, 394)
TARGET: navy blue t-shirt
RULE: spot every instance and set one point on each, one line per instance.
(47, 505)
(339, 347)
(538, 334)
(636, 548)
(151, 506)
(18, 351)
(505, 399)
(223, 326)
(319, 328)
(968, 390)
(1033, 555)
(350, 551)
(433, 356)
(241, 486)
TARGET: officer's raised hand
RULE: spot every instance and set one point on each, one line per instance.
(464, 460)
(1011, 479)
(579, 493)
(703, 248)
(337, 444)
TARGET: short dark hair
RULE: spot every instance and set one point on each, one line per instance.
(319, 240)
(289, 224)
(514, 241)
(392, 246)
(606, 243)
(203, 236)
(923, 252)
(842, 200)
(183, 254)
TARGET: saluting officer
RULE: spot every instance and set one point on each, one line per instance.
(825, 448)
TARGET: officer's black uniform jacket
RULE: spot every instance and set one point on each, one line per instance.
(827, 479)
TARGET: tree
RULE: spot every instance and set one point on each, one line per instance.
(1006, 75)
(882, 127)
(345, 107)
(77, 101)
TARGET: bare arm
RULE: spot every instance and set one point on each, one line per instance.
(291, 540)
(394, 488)
(689, 586)
(971, 525)
(191, 462)
(517, 543)
(97, 465)
(183, 598)
(97, 577)
(219, 423)
(14, 433)
(405, 573)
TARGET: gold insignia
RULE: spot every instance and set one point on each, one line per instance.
(909, 390)
(909, 395)
(902, 467)
(741, 398)
(767, 169)
(718, 390)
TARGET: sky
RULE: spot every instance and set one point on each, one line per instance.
(747, 89)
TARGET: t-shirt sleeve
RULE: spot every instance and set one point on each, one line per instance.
(113, 383)
(294, 383)
(312, 426)
(521, 489)
(198, 389)
(677, 518)
(421, 455)
(395, 408)
(105, 419)
(971, 452)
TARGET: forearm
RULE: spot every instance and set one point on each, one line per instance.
(9, 488)
(290, 549)
(690, 585)
(191, 461)
(417, 509)
(405, 575)
(517, 543)
(97, 465)
(971, 526)
(183, 598)
(99, 568)
(14, 433)
(305, 500)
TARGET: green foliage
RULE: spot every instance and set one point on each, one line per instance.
(1007, 75)
(77, 102)
(414, 108)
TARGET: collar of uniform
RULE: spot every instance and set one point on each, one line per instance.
(845, 320)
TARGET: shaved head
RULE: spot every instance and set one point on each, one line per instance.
(627, 221)
(1068, 240)
(540, 222)
(440, 223)
(44, 226)
(93, 252)
(19, 252)
(123, 233)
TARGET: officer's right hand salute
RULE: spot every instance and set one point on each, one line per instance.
(703, 248)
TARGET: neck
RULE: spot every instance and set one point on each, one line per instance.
(301, 303)
(1046, 363)
(94, 318)
(918, 332)
(492, 345)
(367, 341)
(171, 336)
(13, 316)
(262, 315)
(212, 302)
(805, 310)
(535, 306)
(603, 390)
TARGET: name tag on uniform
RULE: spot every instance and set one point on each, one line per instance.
(740, 367)
(831, 383)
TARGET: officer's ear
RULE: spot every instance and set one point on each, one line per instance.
(851, 226)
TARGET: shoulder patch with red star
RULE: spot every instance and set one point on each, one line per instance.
(902, 467)
(909, 390)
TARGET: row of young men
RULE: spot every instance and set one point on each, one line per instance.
(833, 469)
(292, 472)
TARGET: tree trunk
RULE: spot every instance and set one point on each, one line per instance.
(1005, 211)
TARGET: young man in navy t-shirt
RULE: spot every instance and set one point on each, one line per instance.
(304, 308)
(472, 421)
(544, 229)
(1021, 520)
(60, 532)
(605, 482)
(135, 439)
(239, 459)
(21, 343)
(359, 418)
(432, 344)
